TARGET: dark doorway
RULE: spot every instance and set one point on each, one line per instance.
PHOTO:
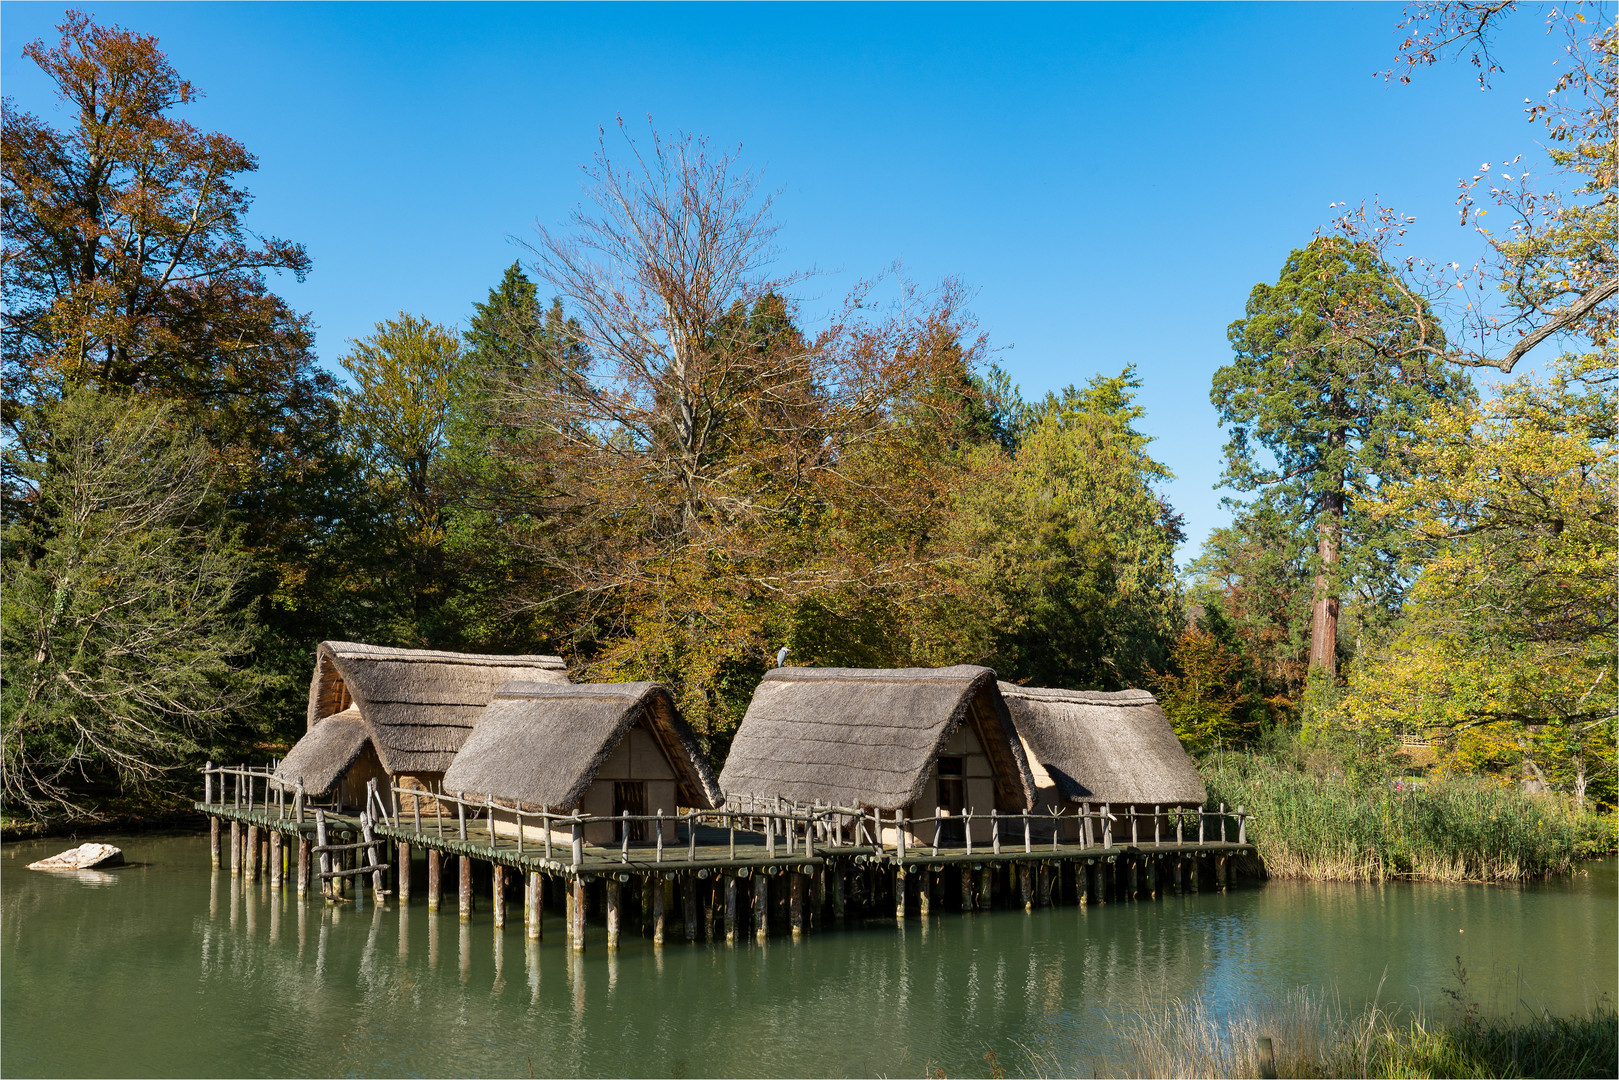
(629, 796)
(952, 800)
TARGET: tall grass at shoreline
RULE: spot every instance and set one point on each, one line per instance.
(1311, 1035)
(1458, 829)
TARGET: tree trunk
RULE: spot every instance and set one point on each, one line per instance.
(1324, 613)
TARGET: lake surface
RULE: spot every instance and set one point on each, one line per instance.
(164, 968)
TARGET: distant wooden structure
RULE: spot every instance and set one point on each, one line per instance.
(1115, 750)
(919, 743)
(379, 713)
(847, 794)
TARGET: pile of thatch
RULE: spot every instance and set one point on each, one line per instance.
(860, 737)
(541, 744)
(1115, 748)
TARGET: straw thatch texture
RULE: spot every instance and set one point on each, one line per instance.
(860, 737)
(1114, 748)
(541, 744)
(419, 704)
(325, 753)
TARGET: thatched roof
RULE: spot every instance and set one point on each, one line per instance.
(1100, 747)
(861, 737)
(418, 704)
(325, 752)
(542, 744)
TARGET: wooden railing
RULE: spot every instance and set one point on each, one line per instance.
(789, 829)
(793, 830)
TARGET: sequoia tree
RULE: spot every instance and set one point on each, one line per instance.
(1320, 417)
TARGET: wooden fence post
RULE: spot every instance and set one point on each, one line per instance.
(325, 856)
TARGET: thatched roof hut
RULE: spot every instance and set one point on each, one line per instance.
(872, 738)
(418, 705)
(1114, 748)
(599, 748)
(328, 752)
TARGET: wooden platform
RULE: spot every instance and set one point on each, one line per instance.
(717, 850)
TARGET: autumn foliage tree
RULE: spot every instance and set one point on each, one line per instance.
(127, 260)
(129, 268)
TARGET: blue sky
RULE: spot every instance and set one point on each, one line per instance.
(1111, 180)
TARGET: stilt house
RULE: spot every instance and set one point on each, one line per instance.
(597, 748)
(921, 741)
(378, 712)
(1113, 748)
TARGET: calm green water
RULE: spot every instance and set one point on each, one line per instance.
(164, 969)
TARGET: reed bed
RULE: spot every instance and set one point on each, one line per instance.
(1311, 1035)
(1459, 829)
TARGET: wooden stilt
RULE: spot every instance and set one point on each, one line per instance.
(1131, 879)
(576, 913)
(688, 902)
(252, 853)
(1042, 886)
(615, 899)
(986, 889)
(497, 893)
(435, 878)
(402, 871)
(213, 843)
(796, 901)
(275, 860)
(303, 864)
(966, 889)
(1025, 886)
(899, 893)
(761, 905)
(660, 905)
(464, 886)
(731, 889)
(839, 908)
(533, 907)
(924, 887)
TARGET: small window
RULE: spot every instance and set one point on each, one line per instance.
(950, 766)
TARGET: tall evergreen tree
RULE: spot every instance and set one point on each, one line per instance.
(1332, 409)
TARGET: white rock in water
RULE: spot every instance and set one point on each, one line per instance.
(83, 857)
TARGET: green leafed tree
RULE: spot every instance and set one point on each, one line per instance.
(1317, 417)
(1073, 543)
(406, 376)
(124, 634)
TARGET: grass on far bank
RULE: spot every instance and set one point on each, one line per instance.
(1331, 827)
(1312, 1036)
